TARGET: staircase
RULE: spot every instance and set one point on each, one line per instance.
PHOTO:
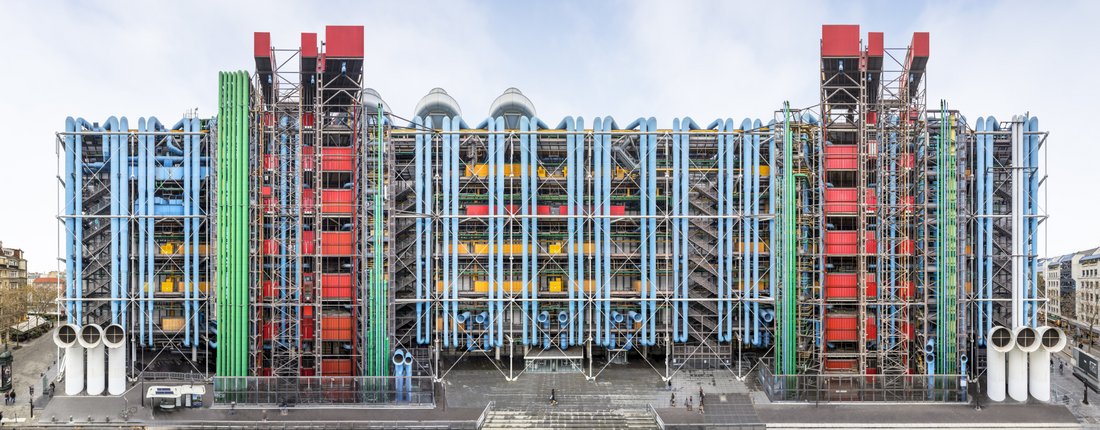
(535, 419)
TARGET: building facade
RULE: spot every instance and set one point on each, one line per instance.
(13, 267)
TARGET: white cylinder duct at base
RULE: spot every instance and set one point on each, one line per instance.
(1051, 340)
(1027, 341)
(66, 338)
(91, 338)
(114, 338)
(1001, 340)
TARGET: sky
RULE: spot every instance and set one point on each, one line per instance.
(626, 59)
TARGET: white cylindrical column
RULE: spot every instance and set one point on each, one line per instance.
(1051, 340)
(65, 337)
(1027, 341)
(91, 338)
(1001, 340)
(114, 338)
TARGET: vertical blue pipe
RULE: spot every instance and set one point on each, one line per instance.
(144, 175)
(1033, 211)
(730, 140)
(456, 139)
(773, 238)
(675, 206)
(579, 179)
(116, 183)
(196, 171)
(429, 230)
(448, 247)
(532, 171)
(643, 233)
(71, 239)
(500, 138)
(651, 136)
(418, 154)
(980, 223)
(124, 206)
(754, 206)
(571, 207)
(151, 125)
(494, 211)
(720, 159)
(746, 194)
(991, 124)
(606, 158)
(188, 277)
(525, 224)
(684, 175)
(597, 225)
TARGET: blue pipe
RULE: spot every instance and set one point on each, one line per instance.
(651, 126)
(643, 208)
(399, 373)
(495, 211)
(419, 187)
(980, 207)
(500, 138)
(720, 159)
(563, 323)
(571, 205)
(991, 124)
(597, 225)
(139, 208)
(448, 247)
(408, 375)
(677, 172)
(111, 156)
(71, 187)
(730, 251)
(773, 238)
(429, 231)
(685, 246)
(544, 323)
(578, 179)
(533, 250)
(78, 208)
(605, 195)
(525, 225)
(124, 211)
(1033, 211)
(754, 207)
(196, 126)
(456, 139)
(746, 193)
(185, 126)
(152, 124)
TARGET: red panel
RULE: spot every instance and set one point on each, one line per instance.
(337, 201)
(336, 367)
(543, 210)
(344, 41)
(337, 159)
(271, 246)
(307, 371)
(477, 210)
(870, 199)
(268, 331)
(840, 41)
(336, 243)
(264, 371)
(268, 290)
(872, 117)
(919, 46)
(874, 44)
(308, 247)
(840, 365)
(905, 247)
(845, 328)
(307, 119)
(841, 157)
(841, 201)
(336, 327)
(843, 286)
(261, 42)
(336, 286)
(309, 45)
(840, 243)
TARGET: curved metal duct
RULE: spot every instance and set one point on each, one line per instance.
(1001, 340)
(512, 105)
(1027, 341)
(437, 104)
(114, 337)
(371, 100)
(91, 338)
(66, 337)
(1051, 339)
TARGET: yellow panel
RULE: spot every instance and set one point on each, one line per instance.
(481, 286)
(555, 286)
(171, 324)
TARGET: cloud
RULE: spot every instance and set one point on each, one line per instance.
(625, 59)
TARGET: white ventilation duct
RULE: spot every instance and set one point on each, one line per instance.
(114, 337)
(437, 104)
(371, 100)
(66, 338)
(91, 338)
(512, 105)
(1001, 340)
(1051, 340)
(1027, 341)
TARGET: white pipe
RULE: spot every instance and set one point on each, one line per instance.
(1027, 341)
(114, 338)
(65, 337)
(1051, 340)
(1018, 291)
(1001, 340)
(91, 338)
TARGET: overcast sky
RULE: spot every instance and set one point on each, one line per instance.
(625, 59)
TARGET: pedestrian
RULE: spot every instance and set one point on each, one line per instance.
(672, 401)
(1061, 367)
(700, 395)
(1, 418)
(553, 397)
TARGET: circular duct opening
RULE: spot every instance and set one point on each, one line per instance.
(66, 335)
(1001, 337)
(1026, 337)
(90, 334)
(114, 334)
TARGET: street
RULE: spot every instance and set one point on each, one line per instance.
(34, 359)
(1067, 390)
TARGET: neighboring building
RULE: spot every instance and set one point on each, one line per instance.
(13, 267)
(33, 276)
(48, 282)
(1072, 285)
(1087, 272)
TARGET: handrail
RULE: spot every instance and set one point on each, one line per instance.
(484, 414)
